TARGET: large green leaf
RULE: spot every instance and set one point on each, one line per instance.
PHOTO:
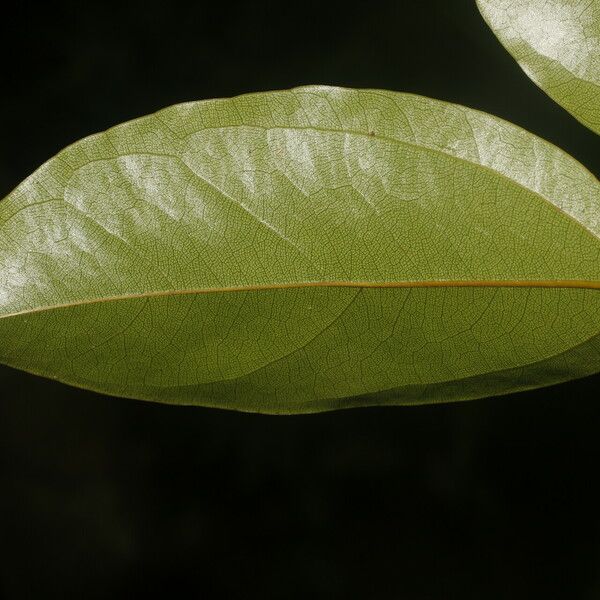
(304, 250)
(557, 43)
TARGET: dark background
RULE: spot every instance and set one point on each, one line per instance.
(103, 497)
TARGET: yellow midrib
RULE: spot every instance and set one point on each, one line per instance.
(542, 283)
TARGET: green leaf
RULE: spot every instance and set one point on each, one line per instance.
(557, 43)
(304, 250)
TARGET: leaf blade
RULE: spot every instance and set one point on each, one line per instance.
(361, 188)
(557, 44)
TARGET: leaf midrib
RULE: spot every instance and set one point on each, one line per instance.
(498, 283)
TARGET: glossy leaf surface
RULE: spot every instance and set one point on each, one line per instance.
(304, 250)
(557, 43)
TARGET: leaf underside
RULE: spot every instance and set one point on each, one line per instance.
(557, 44)
(304, 250)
